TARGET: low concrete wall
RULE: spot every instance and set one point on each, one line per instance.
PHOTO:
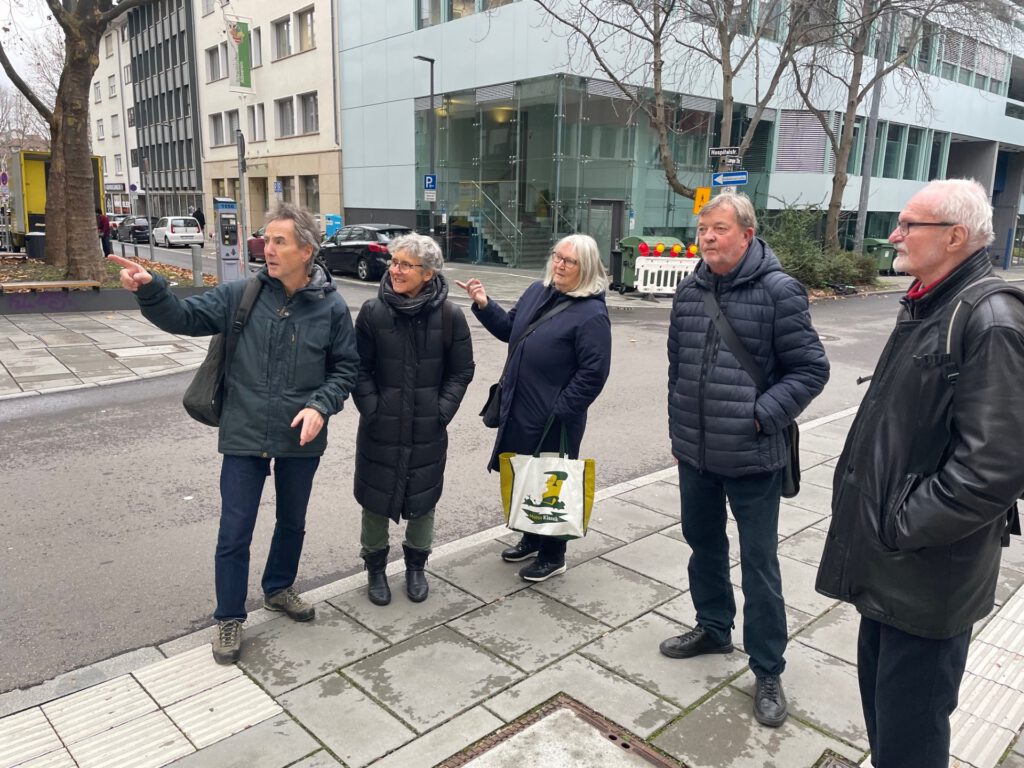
(109, 299)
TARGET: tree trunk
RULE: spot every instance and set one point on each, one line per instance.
(71, 239)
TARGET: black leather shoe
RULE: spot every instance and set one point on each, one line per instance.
(377, 588)
(524, 550)
(770, 702)
(696, 642)
(541, 571)
(416, 586)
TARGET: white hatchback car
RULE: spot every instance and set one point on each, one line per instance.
(177, 230)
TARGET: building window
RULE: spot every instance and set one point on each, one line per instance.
(913, 156)
(115, 125)
(304, 22)
(257, 125)
(127, 74)
(131, 116)
(217, 62)
(310, 113)
(461, 8)
(207, 7)
(310, 189)
(118, 166)
(256, 48)
(97, 92)
(99, 129)
(231, 119)
(282, 38)
(287, 188)
(108, 45)
(430, 13)
(216, 130)
(893, 143)
(133, 158)
(285, 109)
(112, 86)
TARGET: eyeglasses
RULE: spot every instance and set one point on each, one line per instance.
(402, 266)
(904, 226)
(570, 262)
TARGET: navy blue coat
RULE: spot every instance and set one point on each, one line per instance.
(712, 402)
(559, 369)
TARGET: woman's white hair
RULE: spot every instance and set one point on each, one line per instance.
(419, 247)
(964, 201)
(593, 278)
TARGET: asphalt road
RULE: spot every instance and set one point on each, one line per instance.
(111, 494)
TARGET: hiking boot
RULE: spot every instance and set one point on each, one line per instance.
(227, 642)
(416, 586)
(770, 702)
(377, 588)
(288, 600)
(524, 550)
(541, 571)
(696, 642)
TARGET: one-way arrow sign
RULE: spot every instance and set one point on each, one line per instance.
(729, 179)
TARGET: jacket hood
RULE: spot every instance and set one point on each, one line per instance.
(757, 262)
(320, 281)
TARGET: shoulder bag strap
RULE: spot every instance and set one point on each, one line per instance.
(728, 335)
(252, 290)
(530, 329)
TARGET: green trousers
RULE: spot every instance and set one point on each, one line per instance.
(419, 533)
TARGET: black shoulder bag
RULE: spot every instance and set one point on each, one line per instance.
(204, 397)
(791, 472)
(491, 412)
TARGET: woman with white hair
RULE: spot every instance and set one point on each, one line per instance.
(415, 363)
(560, 346)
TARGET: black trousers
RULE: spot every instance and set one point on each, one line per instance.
(908, 689)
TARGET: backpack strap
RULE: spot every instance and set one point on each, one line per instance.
(960, 312)
(252, 291)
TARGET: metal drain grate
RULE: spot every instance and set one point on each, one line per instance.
(830, 759)
(623, 740)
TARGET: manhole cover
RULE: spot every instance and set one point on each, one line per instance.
(561, 733)
(830, 759)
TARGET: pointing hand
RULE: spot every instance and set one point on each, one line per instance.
(132, 275)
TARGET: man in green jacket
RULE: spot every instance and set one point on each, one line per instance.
(294, 364)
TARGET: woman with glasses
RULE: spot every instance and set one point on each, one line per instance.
(415, 362)
(559, 367)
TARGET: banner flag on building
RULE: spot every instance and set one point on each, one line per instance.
(239, 55)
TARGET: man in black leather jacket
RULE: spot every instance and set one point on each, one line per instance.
(929, 470)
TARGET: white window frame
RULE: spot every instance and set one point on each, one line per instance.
(115, 125)
(108, 45)
(118, 166)
(302, 99)
(256, 48)
(279, 106)
(216, 129)
(257, 122)
(297, 24)
(112, 86)
(100, 135)
(277, 38)
(97, 92)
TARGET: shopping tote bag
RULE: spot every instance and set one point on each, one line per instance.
(547, 493)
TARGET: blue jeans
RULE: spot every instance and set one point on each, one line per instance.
(241, 486)
(908, 688)
(754, 500)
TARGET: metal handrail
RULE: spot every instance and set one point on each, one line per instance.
(494, 205)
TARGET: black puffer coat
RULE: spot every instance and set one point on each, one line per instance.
(712, 402)
(918, 508)
(407, 392)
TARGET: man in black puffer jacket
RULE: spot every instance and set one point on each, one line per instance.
(730, 439)
(929, 470)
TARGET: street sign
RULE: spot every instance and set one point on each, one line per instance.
(430, 195)
(278, 188)
(732, 160)
(430, 181)
(723, 151)
(701, 198)
(729, 179)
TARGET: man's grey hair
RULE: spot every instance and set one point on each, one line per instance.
(964, 201)
(419, 247)
(306, 230)
(741, 205)
(593, 278)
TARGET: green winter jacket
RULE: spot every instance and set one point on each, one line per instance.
(292, 354)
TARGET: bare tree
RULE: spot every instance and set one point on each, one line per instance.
(71, 227)
(637, 44)
(835, 76)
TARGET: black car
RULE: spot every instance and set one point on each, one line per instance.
(361, 249)
(134, 229)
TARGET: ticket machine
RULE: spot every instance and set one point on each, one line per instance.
(229, 256)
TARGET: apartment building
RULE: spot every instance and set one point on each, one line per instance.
(269, 72)
(532, 143)
(112, 122)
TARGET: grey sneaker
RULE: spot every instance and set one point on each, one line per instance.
(227, 642)
(288, 600)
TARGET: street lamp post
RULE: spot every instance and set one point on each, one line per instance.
(433, 133)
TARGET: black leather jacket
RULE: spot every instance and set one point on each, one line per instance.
(926, 477)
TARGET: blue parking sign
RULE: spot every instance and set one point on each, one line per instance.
(430, 181)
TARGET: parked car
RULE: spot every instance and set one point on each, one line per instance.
(361, 249)
(115, 220)
(254, 245)
(134, 229)
(177, 230)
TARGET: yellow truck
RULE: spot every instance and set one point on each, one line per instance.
(25, 211)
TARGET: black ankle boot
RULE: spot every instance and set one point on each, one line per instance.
(377, 588)
(415, 580)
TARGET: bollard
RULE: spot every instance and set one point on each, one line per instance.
(197, 265)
